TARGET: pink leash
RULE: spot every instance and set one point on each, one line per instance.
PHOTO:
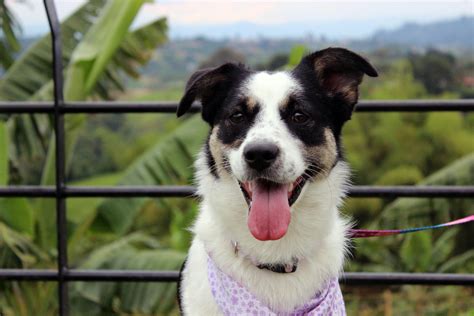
(362, 233)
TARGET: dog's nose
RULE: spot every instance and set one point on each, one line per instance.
(260, 156)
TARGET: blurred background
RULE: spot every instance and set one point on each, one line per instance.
(144, 51)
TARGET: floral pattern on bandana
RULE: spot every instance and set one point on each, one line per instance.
(233, 299)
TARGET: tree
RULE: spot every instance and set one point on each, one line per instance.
(435, 69)
(222, 56)
(275, 62)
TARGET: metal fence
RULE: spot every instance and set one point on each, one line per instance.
(63, 274)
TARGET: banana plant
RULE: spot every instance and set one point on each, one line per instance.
(95, 63)
(98, 50)
(10, 28)
(136, 298)
(30, 77)
(88, 61)
(168, 162)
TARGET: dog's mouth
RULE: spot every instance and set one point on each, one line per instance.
(269, 206)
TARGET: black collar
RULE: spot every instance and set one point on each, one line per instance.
(274, 267)
(280, 267)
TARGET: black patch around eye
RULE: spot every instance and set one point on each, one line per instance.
(311, 131)
(231, 132)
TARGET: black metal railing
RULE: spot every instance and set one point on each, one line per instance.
(59, 108)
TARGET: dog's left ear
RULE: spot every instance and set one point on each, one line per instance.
(338, 72)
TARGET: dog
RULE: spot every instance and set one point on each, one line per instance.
(269, 239)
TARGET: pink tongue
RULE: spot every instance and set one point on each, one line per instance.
(270, 212)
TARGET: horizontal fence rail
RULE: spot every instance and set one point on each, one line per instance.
(170, 107)
(190, 191)
(349, 278)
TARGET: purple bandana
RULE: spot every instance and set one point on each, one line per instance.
(233, 299)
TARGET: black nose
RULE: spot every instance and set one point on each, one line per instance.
(260, 156)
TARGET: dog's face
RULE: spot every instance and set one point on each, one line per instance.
(274, 132)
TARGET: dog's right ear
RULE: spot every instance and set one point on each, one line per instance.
(210, 86)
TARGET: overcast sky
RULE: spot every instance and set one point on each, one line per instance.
(333, 18)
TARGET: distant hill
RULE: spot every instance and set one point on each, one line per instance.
(453, 35)
(178, 58)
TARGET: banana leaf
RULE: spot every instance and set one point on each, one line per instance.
(168, 162)
(4, 147)
(89, 60)
(137, 298)
(10, 28)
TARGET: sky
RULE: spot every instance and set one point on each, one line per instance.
(335, 19)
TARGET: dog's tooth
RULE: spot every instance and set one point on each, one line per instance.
(291, 187)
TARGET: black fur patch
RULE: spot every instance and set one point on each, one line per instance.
(311, 104)
(232, 133)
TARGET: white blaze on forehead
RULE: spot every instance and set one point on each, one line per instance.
(271, 91)
(270, 88)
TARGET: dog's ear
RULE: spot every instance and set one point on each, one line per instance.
(338, 72)
(210, 86)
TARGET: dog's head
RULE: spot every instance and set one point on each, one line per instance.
(275, 131)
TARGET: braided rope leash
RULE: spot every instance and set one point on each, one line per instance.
(363, 233)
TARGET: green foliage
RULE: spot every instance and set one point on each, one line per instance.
(10, 28)
(88, 62)
(296, 54)
(171, 94)
(168, 162)
(18, 214)
(401, 175)
(435, 69)
(129, 297)
(416, 252)
(180, 234)
(408, 300)
(17, 250)
(32, 133)
(31, 71)
(421, 211)
(4, 147)
(398, 83)
(28, 298)
(379, 144)
(444, 250)
(93, 53)
(86, 31)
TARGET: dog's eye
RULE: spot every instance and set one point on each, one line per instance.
(299, 117)
(237, 117)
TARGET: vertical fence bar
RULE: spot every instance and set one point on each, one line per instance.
(61, 223)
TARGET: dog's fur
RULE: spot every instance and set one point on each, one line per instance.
(245, 107)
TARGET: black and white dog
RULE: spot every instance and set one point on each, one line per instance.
(269, 239)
